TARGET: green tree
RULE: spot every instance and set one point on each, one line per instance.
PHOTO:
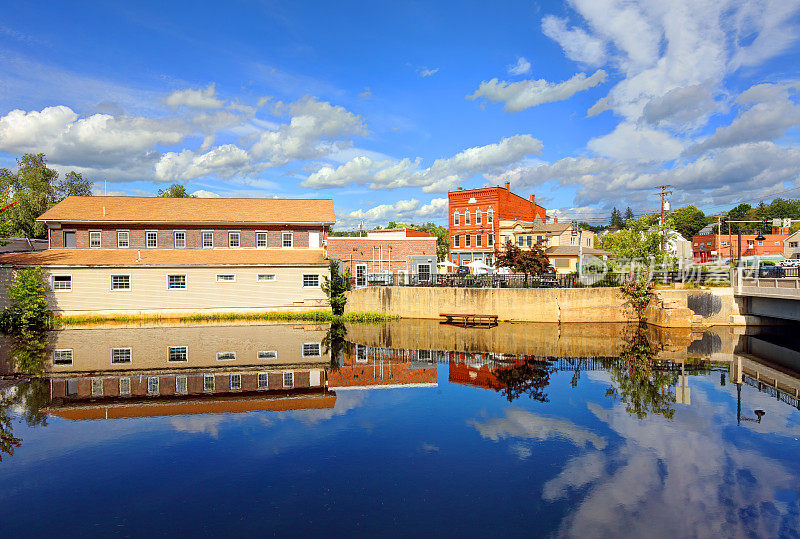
(531, 261)
(639, 241)
(335, 286)
(616, 219)
(529, 378)
(628, 215)
(740, 213)
(175, 190)
(27, 310)
(73, 184)
(32, 187)
(687, 221)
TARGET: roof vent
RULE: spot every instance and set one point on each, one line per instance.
(104, 211)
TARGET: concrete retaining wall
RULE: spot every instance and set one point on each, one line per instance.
(672, 308)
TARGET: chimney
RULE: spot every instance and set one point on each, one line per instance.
(508, 186)
(555, 219)
(460, 188)
(533, 199)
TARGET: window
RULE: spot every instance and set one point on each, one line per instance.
(311, 349)
(151, 239)
(226, 277)
(177, 353)
(529, 241)
(236, 382)
(208, 240)
(261, 239)
(287, 239)
(226, 356)
(456, 241)
(288, 379)
(760, 242)
(310, 280)
(361, 353)
(572, 240)
(539, 239)
(562, 263)
(152, 385)
(479, 240)
(94, 240)
(466, 217)
(61, 283)
(777, 243)
(233, 239)
(180, 240)
(267, 354)
(208, 382)
(181, 386)
(793, 243)
(490, 216)
(588, 242)
(70, 239)
(176, 281)
(266, 277)
(62, 357)
(120, 282)
(120, 355)
(520, 241)
(97, 387)
(424, 272)
(124, 386)
(262, 381)
(478, 217)
(467, 241)
(123, 239)
(456, 220)
(490, 240)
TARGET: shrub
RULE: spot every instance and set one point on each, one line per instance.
(639, 293)
(27, 310)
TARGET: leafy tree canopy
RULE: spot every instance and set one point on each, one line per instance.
(640, 240)
(531, 261)
(687, 221)
(175, 190)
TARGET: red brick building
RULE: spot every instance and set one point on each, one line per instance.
(382, 252)
(474, 220)
(710, 247)
(370, 367)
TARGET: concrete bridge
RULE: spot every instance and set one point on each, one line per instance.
(773, 292)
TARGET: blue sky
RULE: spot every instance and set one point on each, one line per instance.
(385, 107)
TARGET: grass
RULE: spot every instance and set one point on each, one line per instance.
(307, 316)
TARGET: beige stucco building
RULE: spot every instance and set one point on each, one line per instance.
(173, 256)
(562, 243)
(791, 246)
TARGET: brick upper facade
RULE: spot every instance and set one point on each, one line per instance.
(709, 247)
(379, 253)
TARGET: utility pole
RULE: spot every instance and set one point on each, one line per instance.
(717, 240)
(663, 194)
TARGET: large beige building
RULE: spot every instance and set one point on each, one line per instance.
(561, 241)
(171, 256)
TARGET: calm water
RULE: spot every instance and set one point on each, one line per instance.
(411, 428)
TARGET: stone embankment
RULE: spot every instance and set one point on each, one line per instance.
(671, 308)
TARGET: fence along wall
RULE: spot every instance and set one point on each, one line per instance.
(91, 290)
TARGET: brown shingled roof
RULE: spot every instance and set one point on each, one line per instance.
(191, 210)
(166, 257)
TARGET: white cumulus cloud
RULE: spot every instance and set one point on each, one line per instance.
(202, 98)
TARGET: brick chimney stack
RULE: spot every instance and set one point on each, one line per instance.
(460, 188)
(508, 186)
(533, 199)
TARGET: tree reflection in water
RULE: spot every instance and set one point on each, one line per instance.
(643, 388)
(529, 378)
(334, 343)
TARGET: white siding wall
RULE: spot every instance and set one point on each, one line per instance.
(91, 290)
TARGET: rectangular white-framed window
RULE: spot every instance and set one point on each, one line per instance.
(152, 385)
(176, 282)
(287, 239)
(151, 239)
(467, 241)
(361, 353)
(226, 277)
(262, 380)
(490, 216)
(181, 385)
(123, 239)
(479, 240)
(288, 379)
(120, 282)
(226, 356)
(233, 239)
(310, 280)
(97, 387)
(120, 355)
(124, 386)
(208, 239)
(456, 241)
(61, 283)
(208, 382)
(266, 277)
(478, 217)
(529, 241)
(490, 240)
(177, 353)
(62, 356)
(267, 354)
(261, 239)
(180, 239)
(95, 239)
(236, 382)
(456, 219)
(311, 349)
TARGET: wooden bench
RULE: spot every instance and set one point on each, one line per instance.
(470, 320)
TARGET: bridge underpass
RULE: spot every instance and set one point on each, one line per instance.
(776, 295)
